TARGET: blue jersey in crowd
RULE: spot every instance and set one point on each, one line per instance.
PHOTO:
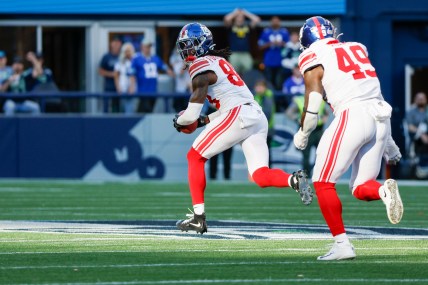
(293, 87)
(272, 55)
(239, 38)
(107, 63)
(5, 73)
(146, 72)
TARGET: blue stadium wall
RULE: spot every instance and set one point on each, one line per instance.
(115, 148)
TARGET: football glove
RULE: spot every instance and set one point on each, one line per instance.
(203, 120)
(392, 153)
(300, 139)
(177, 126)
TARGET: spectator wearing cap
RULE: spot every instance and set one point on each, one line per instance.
(106, 69)
(146, 67)
(5, 71)
(16, 84)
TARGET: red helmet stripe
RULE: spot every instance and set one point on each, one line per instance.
(318, 26)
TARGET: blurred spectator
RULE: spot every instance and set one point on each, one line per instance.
(106, 69)
(146, 68)
(38, 76)
(272, 41)
(227, 162)
(124, 79)
(417, 122)
(5, 71)
(290, 54)
(183, 83)
(264, 96)
(294, 85)
(239, 38)
(294, 112)
(16, 84)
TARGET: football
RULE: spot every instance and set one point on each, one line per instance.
(188, 129)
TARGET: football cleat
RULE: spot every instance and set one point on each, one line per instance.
(299, 182)
(339, 251)
(391, 198)
(193, 222)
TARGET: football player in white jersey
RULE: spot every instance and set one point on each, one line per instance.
(359, 135)
(238, 120)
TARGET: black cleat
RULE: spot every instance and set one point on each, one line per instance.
(193, 222)
(300, 183)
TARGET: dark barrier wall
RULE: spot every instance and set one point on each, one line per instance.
(395, 33)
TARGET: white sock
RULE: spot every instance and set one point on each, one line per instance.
(342, 238)
(199, 209)
(382, 192)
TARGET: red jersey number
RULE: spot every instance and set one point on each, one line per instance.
(232, 76)
(214, 102)
(346, 64)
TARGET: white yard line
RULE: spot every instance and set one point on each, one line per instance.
(197, 264)
(237, 281)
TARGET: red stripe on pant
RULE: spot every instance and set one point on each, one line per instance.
(213, 135)
(330, 206)
(334, 148)
(338, 145)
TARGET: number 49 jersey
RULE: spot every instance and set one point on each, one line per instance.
(229, 90)
(349, 78)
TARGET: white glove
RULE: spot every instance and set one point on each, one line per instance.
(392, 153)
(300, 139)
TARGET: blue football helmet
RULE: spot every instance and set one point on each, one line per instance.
(194, 39)
(314, 29)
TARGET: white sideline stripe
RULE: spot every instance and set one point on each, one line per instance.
(142, 249)
(196, 264)
(209, 281)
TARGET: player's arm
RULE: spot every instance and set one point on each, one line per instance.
(192, 113)
(313, 99)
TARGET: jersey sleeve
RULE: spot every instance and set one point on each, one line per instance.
(198, 66)
(308, 59)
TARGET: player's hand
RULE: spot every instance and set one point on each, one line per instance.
(392, 153)
(300, 140)
(177, 126)
(203, 120)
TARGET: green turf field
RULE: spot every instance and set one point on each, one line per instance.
(28, 257)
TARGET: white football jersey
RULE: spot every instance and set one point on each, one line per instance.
(349, 78)
(230, 90)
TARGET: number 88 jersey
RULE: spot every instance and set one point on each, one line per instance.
(229, 90)
(349, 78)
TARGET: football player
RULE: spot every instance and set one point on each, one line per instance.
(359, 135)
(238, 120)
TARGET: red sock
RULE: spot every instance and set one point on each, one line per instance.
(331, 207)
(266, 177)
(367, 191)
(196, 176)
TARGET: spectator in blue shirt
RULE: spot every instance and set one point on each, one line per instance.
(146, 67)
(293, 86)
(106, 69)
(239, 38)
(272, 41)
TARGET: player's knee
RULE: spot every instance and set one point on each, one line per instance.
(194, 156)
(323, 186)
(261, 177)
